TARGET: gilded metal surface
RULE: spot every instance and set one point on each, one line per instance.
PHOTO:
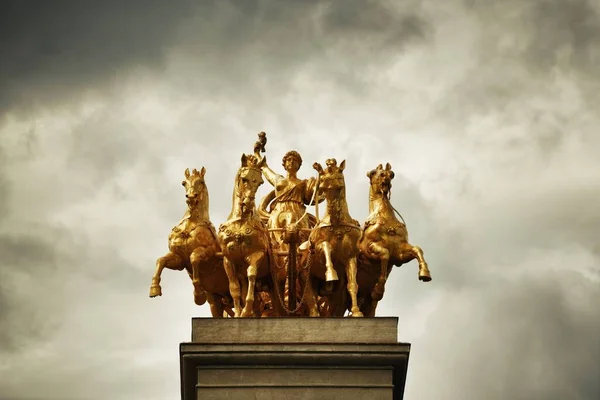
(193, 246)
(289, 224)
(334, 240)
(244, 240)
(277, 259)
(383, 243)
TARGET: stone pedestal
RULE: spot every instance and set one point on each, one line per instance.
(293, 358)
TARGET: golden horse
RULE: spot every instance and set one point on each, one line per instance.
(333, 245)
(244, 240)
(383, 243)
(193, 246)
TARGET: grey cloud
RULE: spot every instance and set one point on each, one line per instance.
(535, 339)
(374, 25)
(53, 51)
(25, 253)
(100, 154)
(27, 287)
(71, 50)
(573, 26)
(508, 250)
(237, 50)
(4, 189)
(547, 44)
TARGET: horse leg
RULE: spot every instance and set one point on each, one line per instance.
(228, 311)
(323, 305)
(384, 258)
(351, 270)
(169, 261)
(216, 306)
(234, 286)
(424, 274)
(259, 307)
(254, 260)
(417, 252)
(244, 289)
(369, 310)
(330, 272)
(338, 301)
(198, 257)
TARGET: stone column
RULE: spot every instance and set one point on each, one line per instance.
(293, 358)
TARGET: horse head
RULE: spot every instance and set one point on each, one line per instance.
(195, 188)
(249, 179)
(331, 178)
(381, 179)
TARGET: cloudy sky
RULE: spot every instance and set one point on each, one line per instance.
(487, 111)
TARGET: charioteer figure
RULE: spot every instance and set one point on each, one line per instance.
(289, 223)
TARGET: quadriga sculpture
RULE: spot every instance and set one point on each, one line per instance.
(383, 243)
(281, 260)
(193, 246)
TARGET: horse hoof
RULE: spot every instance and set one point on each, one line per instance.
(200, 298)
(378, 291)
(357, 313)
(331, 275)
(247, 314)
(155, 290)
(424, 276)
(377, 295)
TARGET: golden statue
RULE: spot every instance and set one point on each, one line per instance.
(245, 243)
(334, 241)
(384, 242)
(289, 223)
(277, 259)
(194, 247)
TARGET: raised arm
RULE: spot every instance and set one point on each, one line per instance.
(271, 176)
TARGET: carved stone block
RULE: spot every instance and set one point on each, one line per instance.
(294, 358)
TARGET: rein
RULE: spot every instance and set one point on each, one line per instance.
(389, 197)
(306, 209)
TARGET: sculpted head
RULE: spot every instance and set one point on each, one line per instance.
(332, 177)
(292, 161)
(381, 178)
(248, 181)
(195, 187)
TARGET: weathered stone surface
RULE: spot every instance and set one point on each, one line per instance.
(269, 376)
(295, 330)
(246, 361)
(297, 393)
(294, 382)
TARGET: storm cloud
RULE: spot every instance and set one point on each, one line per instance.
(487, 111)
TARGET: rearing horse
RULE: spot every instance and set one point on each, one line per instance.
(383, 243)
(334, 241)
(193, 246)
(244, 240)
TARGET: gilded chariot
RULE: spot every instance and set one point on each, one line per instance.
(274, 258)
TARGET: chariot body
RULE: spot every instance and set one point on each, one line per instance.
(277, 259)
